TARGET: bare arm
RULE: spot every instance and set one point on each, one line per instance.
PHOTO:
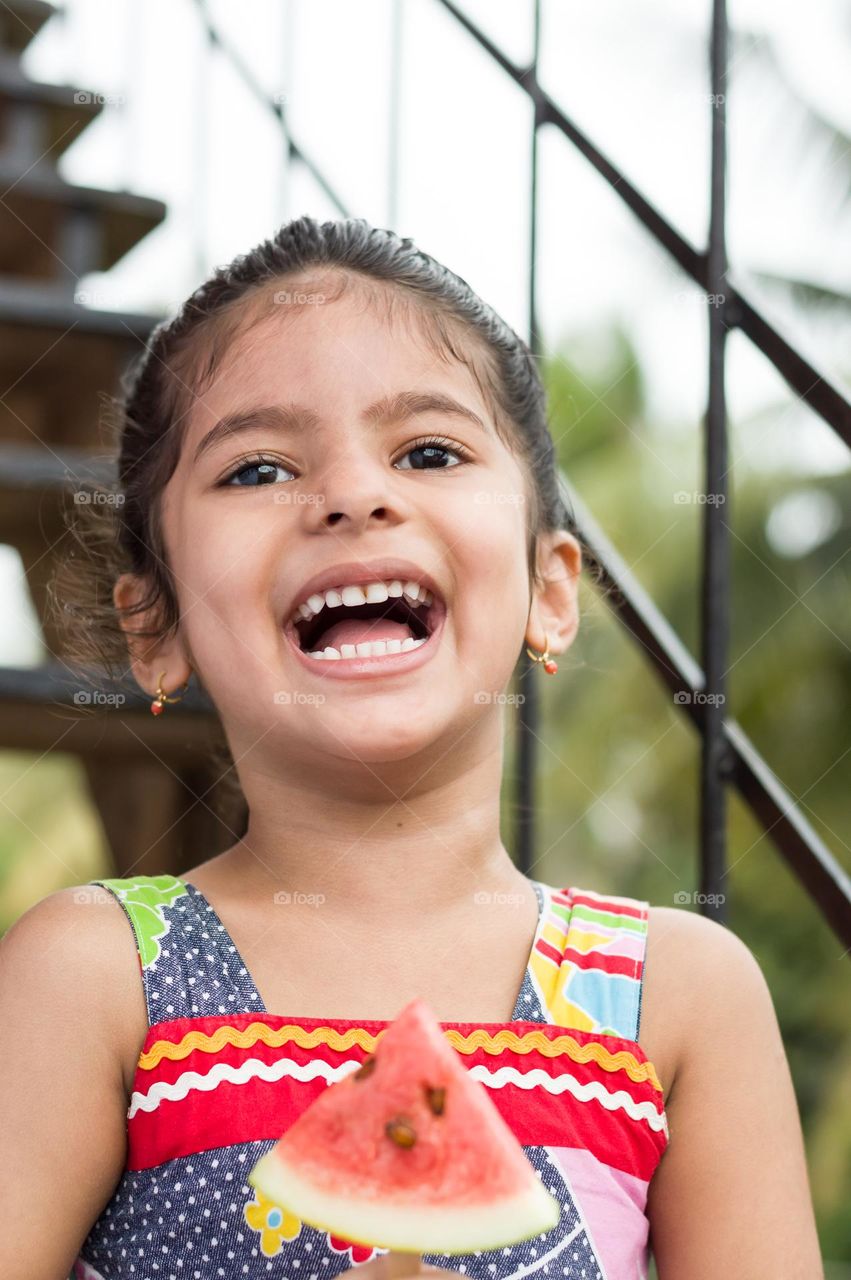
(731, 1195)
(62, 1094)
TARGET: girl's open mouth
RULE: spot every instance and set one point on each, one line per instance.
(379, 629)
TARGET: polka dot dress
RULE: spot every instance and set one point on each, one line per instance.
(183, 1209)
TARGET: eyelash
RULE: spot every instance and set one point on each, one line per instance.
(440, 442)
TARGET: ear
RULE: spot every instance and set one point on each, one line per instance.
(151, 658)
(555, 604)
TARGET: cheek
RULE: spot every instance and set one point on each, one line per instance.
(492, 537)
(488, 548)
(226, 548)
(223, 574)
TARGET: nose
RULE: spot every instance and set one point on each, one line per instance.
(353, 493)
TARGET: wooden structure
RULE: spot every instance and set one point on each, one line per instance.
(154, 782)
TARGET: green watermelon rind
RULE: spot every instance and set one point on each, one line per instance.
(416, 1228)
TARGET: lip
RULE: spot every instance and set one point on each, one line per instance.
(358, 573)
(365, 668)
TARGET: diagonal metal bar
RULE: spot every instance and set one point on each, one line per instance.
(251, 82)
(802, 376)
(740, 763)
(805, 380)
(782, 818)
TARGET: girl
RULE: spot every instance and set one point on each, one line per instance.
(341, 515)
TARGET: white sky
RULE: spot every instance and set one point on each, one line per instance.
(184, 129)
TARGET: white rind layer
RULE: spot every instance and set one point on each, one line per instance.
(409, 1227)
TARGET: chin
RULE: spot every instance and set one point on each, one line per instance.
(382, 738)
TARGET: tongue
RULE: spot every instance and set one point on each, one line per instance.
(359, 630)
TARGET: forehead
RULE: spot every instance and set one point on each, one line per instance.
(335, 353)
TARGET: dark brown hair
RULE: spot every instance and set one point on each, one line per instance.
(182, 357)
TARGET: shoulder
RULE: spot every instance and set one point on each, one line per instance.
(674, 934)
(63, 1089)
(75, 950)
(731, 1194)
(699, 977)
(68, 919)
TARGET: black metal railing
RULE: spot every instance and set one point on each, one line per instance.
(728, 757)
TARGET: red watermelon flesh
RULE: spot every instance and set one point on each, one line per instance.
(408, 1152)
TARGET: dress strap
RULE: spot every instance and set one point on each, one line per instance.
(189, 965)
(589, 965)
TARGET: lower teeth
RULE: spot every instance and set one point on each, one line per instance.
(369, 649)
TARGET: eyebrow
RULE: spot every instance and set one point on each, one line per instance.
(298, 419)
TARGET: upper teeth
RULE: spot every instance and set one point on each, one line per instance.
(369, 593)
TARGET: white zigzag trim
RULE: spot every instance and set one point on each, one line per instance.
(249, 1070)
(620, 1100)
(253, 1067)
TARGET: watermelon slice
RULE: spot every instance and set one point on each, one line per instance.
(408, 1152)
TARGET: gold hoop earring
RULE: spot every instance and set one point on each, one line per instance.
(158, 704)
(550, 664)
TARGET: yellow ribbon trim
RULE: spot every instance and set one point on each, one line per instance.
(343, 1040)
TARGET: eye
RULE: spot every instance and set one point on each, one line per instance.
(254, 471)
(433, 451)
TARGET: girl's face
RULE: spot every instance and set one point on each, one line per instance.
(333, 479)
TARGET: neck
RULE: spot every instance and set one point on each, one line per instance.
(371, 846)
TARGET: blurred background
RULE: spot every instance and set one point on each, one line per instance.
(143, 144)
